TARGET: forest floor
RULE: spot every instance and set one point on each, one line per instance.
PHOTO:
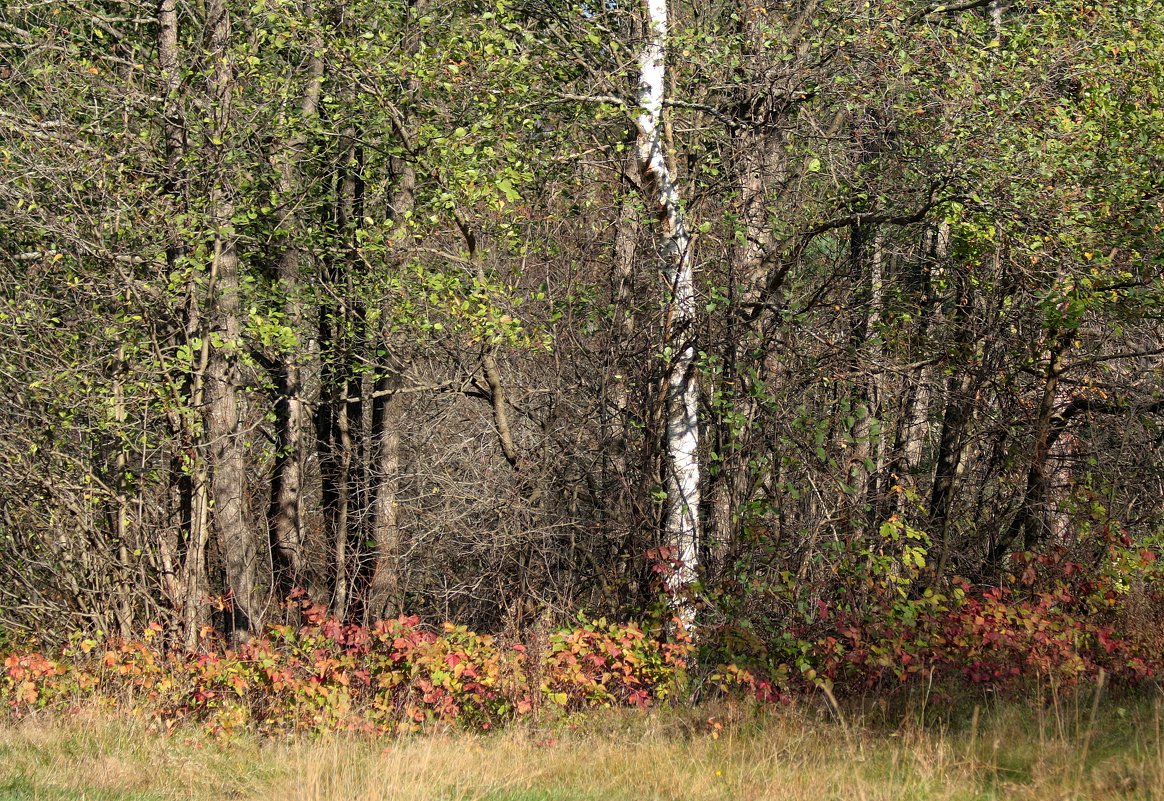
(1054, 752)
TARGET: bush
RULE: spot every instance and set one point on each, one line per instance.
(396, 676)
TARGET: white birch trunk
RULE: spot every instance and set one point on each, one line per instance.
(997, 8)
(682, 471)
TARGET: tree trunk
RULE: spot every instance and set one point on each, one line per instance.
(681, 473)
(121, 503)
(868, 449)
(187, 563)
(341, 409)
(760, 166)
(626, 239)
(224, 410)
(1030, 520)
(292, 414)
(384, 590)
(960, 390)
(996, 8)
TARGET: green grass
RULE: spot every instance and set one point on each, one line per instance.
(1011, 751)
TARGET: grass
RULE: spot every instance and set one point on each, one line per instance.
(1007, 751)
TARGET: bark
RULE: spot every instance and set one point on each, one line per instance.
(914, 432)
(223, 418)
(292, 420)
(951, 445)
(916, 419)
(759, 169)
(292, 412)
(121, 504)
(332, 418)
(224, 410)
(497, 399)
(870, 448)
(186, 564)
(681, 475)
(760, 163)
(342, 410)
(968, 371)
(384, 590)
(342, 520)
(194, 610)
(1030, 521)
(996, 9)
(195, 486)
(384, 596)
(489, 367)
(622, 485)
(626, 237)
(955, 421)
(173, 124)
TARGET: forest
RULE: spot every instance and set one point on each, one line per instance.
(761, 348)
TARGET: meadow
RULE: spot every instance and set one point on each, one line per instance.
(1067, 748)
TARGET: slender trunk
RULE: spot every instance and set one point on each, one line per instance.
(224, 411)
(759, 156)
(996, 8)
(759, 167)
(913, 435)
(955, 423)
(626, 237)
(384, 590)
(951, 446)
(681, 477)
(223, 418)
(1030, 521)
(343, 507)
(868, 433)
(962, 387)
(286, 534)
(1060, 457)
(333, 361)
(330, 407)
(915, 432)
(194, 580)
(497, 399)
(622, 489)
(292, 413)
(340, 324)
(121, 503)
(489, 366)
(172, 118)
(190, 585)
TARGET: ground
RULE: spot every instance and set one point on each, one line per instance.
(1063, 749)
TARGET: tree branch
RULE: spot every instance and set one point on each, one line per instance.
(942, 8)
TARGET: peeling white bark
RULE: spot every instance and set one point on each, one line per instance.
(682, 479)
(997, 8)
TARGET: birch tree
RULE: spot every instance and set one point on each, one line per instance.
(681, 480)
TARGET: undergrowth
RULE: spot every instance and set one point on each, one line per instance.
(400, 676)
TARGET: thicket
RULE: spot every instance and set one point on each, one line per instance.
(381, 301)
(1048, 630)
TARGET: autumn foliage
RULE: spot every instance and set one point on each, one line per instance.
(1049, 621)
(395, 676)
(879, 623)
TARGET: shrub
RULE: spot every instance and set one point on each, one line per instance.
(395, 676)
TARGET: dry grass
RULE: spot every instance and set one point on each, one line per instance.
(1013, 752)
